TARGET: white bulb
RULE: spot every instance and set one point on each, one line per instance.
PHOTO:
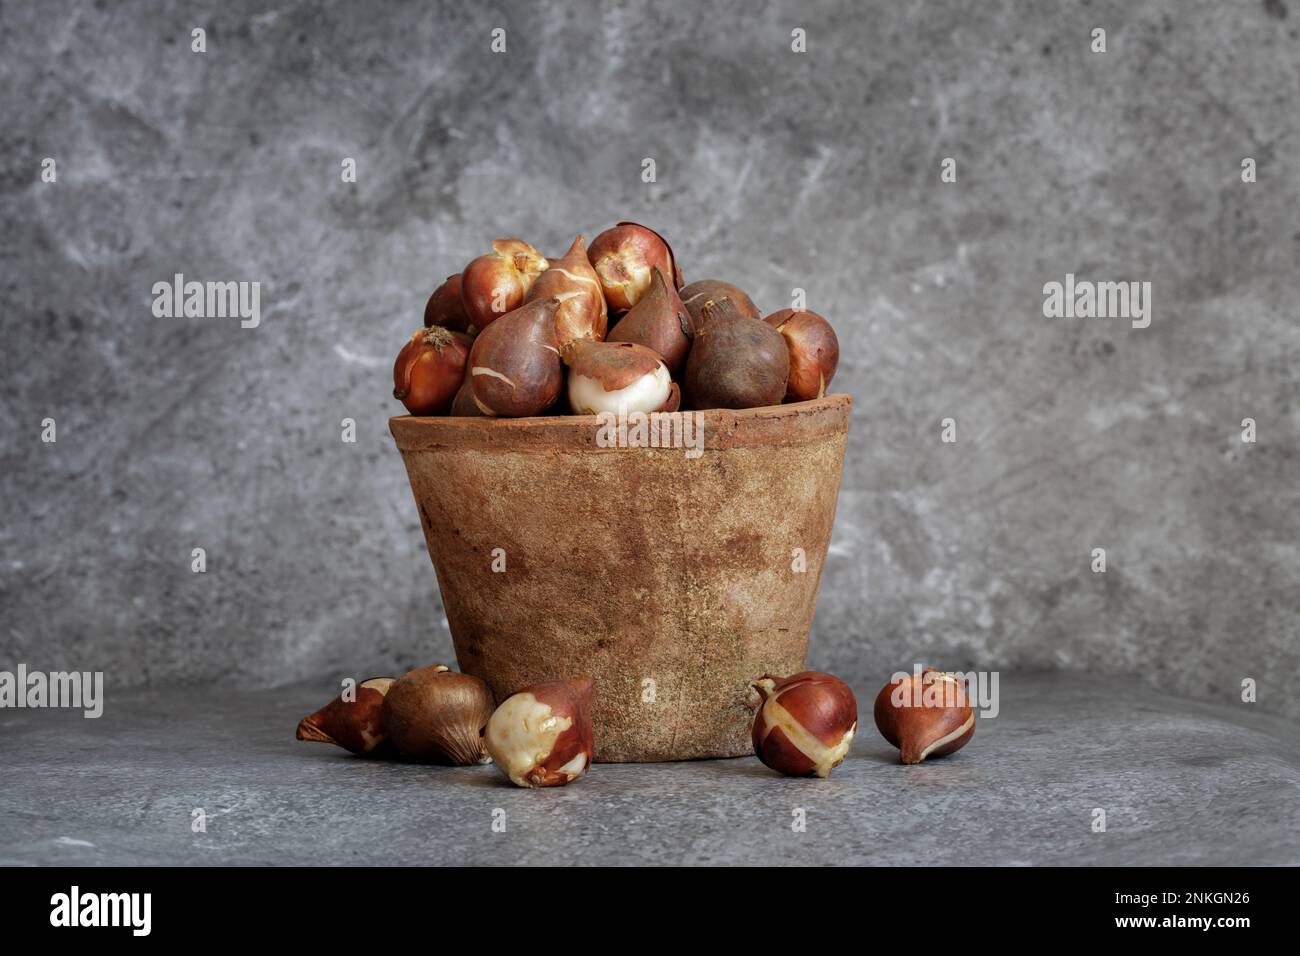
(649, 392)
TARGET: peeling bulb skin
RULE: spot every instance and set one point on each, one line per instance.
(582, 313)
(625, 257)
(617, 377)
(438, 715)
(674, 400)
(925, 715)
(542, 735)
(814, 352)
(660, 322)
(498, 283)
(804, 724)
(430, 369)
(648, 394)
(514, 367)
(354, 725)
(445, 307)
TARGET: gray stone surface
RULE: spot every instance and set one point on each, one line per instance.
(1181, 782)
(776, 170)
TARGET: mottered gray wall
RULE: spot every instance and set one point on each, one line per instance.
(775, 169)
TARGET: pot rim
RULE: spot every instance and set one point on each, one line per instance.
(771, 425)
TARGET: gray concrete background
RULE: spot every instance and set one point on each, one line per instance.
(775, 170)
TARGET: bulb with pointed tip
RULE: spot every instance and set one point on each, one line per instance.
(514, 366)
(736, 362)
(804, 724)
(925, 715)
(582, 313)
(353, 724)
(542, 736)
(659, 322)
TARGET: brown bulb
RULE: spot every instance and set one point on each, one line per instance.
(804, 724)
(659, 322)
(498, 282)
(925, 715)
(352, 721)
(814, 352)
(624, 258)
(445, 307)
(429, 370)
(735, 362)
(582, 313)
(436, 714)
(699, 294)
(463, 405)
(514, 366)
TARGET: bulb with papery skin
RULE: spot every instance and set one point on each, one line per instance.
(542, 736)
(736, 361)
(434, 713)
(660, 322)
(805, 723)
(430, 369)
(582, 313)
(463, 405)
(814, 352)
(617, 377)
(445, 307)
(497, 283)
(925, 715)
(515, 366)
(354, 724)
(624, 258)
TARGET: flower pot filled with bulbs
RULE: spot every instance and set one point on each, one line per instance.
(623, 600)
(626, 478)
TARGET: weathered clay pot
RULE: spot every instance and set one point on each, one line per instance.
(669, 579)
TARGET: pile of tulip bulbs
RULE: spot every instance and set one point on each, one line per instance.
(605, 328)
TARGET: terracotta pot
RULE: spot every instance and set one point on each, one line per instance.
(667, 578)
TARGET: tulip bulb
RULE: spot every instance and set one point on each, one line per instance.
(624, 258)
(814, 352)
(514, 366)
(429, 370)
(498, 282)
(436, 714)
(736, 362)
(445, 307)
(542, 736)
(925, 715)
(659, 322)
(355, 724)
(804, 724)
(582, 313)
(617, 377)
(463, 405)
(703, 291)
